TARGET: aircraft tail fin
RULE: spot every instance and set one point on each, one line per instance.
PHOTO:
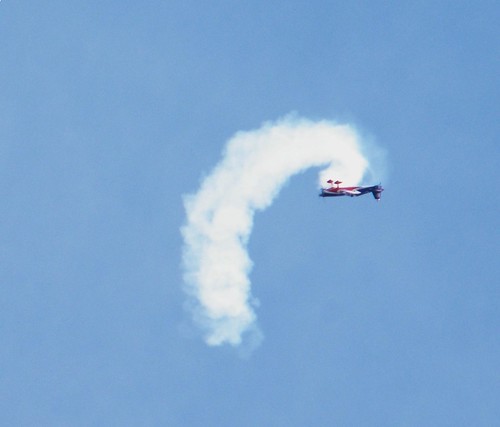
(377, 193)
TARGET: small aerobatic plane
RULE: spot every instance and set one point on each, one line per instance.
(338, 191)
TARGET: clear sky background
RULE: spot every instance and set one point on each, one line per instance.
(373, 314)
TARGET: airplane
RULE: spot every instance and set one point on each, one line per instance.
(338, 191)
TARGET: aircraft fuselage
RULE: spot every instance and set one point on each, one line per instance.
(376, 191)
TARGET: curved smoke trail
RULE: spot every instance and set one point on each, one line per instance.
(255, 166)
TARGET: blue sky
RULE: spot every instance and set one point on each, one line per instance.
(372, 314)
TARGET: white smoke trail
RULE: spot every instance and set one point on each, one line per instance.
(254, 168)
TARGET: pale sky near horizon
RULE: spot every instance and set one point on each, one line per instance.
(372, 314)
